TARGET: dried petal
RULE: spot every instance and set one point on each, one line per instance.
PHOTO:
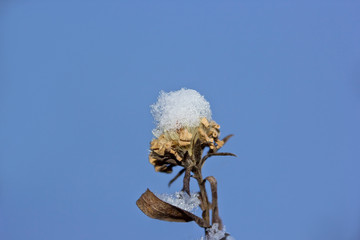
(214, 133)
(184, 143)
(205, 122)
(203, 135)
(163, 168)
(152, 160)
(215, 125)
(167, 146)
(219, 143)
(160, 151)
(154, 144)
(185, 135)
(178, 157)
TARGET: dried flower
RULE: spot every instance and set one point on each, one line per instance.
(172, 147)
(184, 129)
(184, 120)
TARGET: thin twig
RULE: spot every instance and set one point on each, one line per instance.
(176, 177)
(215, 154)
(204, 199)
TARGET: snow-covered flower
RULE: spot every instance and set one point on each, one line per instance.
(183, 120)
(179, 109)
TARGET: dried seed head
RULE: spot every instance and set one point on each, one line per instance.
(170, 148)
(183, 120)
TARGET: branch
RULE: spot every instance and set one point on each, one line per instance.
(210, 154)
(176, 177)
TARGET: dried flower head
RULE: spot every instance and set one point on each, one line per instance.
(173, 147)
(184, 120)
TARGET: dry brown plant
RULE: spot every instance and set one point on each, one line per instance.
(185, 147)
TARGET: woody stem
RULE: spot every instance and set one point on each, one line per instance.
(186, 181)
(205, 205)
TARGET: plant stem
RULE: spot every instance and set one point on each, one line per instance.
(186, 181)
(205, 205)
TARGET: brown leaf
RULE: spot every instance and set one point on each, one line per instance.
(225, 139)
(155, 208)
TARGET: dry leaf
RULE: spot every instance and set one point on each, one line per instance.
(155, 208)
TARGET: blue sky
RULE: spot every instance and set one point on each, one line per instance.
(76, 82)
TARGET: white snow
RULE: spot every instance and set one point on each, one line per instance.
(182, 108)
(182, 200)
(216, 234)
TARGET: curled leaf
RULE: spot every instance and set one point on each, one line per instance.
(155, 208)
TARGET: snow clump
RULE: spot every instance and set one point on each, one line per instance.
(181, 200)
(182, 108)
(215, 234)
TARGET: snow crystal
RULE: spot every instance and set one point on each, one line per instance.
(177, 109)
(216, 234)
(182, 200)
